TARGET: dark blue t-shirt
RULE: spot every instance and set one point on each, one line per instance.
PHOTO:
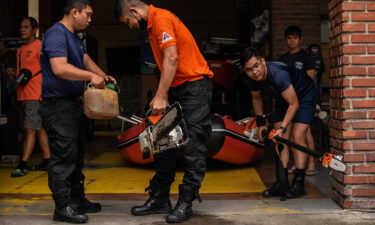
(301, 60)
(60, 42)
(280, 77)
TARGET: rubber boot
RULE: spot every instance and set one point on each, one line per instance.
(78, 196)
(157, 203)
(298, 186)
(67, 211)
(276, 188)
(183, 209)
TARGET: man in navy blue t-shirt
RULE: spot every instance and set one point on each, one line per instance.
(294, 109)
(65, 67)
(300, 60)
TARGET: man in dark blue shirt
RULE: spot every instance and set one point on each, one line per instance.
(300, 60)
(294, 110)
(66, 66)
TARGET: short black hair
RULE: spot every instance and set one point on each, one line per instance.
(293, 30)
(252, 51)
(118, 9)
(77, 4)
(122, 7)
(34, 23)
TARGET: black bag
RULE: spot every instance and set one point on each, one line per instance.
(24, 75)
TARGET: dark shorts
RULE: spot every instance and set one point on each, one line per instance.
(305, 113)
(31, 118)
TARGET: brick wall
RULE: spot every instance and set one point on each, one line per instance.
(304, 13)
(352, 56)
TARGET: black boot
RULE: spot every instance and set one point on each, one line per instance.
(67, 211)
(183, 209)
(87, 206)
(298, 186)
(280, 187)
(157, 203)
(78, 196)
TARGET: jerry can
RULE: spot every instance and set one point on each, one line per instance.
(101, 104)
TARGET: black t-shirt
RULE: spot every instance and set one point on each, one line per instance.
(280, 77)
(301, 60)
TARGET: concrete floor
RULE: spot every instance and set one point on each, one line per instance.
(231, 194)
(251, 212)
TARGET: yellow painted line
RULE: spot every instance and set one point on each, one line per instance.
(134, 180)
(109, 158)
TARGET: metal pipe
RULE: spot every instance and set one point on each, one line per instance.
(126, 119)
(136, 118)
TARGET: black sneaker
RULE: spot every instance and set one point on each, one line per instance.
(19, 172)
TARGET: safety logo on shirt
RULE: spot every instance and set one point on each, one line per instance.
(166, 37)
(299, 65)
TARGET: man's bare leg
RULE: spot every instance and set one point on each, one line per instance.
(297, 188)
(28, 147)
(43, 142)
(311, 169)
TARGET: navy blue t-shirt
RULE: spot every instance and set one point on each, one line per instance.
(301, 60)
(60, 42)
(280, 77)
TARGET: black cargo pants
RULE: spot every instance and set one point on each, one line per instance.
(195, 99)
(63, 120)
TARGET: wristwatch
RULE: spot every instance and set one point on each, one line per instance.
(283, 129)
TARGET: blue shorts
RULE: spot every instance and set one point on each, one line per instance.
(305, 113)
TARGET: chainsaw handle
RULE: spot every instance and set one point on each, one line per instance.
(268, 133)
(153, 119)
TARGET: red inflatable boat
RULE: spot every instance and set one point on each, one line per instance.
(227, 143)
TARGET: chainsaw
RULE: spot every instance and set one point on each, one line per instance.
(329, 160)
(165, 131)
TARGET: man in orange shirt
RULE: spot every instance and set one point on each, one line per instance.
(186, 78)
(29, 95)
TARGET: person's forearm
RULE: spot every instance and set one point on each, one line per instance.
(70, 72)
(257, 105)
(167, 75)
(312, 74)
(292, 109)
(90, 65)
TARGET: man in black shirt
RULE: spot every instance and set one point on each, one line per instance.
(301, 60)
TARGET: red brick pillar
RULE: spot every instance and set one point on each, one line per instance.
(352, 55)
(304, 13)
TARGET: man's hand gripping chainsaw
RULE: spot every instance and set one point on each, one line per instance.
(165, 131)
